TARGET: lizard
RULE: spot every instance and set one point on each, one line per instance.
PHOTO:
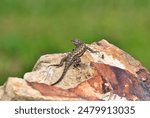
(72, 58)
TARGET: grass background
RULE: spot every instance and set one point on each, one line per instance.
(31, 28)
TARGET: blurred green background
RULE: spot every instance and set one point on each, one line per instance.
(31, 28)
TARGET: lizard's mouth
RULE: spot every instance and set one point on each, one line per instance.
(76, 41)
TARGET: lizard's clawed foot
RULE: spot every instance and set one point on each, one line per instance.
(95, 51)
(76, 66)
(57, 65)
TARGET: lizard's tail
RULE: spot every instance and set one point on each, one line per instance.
(62, 76)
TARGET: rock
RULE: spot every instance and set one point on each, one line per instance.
(109, 74)
(19, 89)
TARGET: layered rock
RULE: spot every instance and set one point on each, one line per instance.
(109, 74)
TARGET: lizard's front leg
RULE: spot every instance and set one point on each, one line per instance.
(93, 51)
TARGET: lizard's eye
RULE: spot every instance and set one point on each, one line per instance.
(76, 41)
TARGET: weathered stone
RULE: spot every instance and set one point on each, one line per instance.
(110, 74)
(19, 89)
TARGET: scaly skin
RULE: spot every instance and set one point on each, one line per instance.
(72, 58)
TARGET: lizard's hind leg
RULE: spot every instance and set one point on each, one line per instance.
(61, 62)
(58, 65)
(76, 63)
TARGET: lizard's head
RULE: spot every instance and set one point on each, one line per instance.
(76, 42)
